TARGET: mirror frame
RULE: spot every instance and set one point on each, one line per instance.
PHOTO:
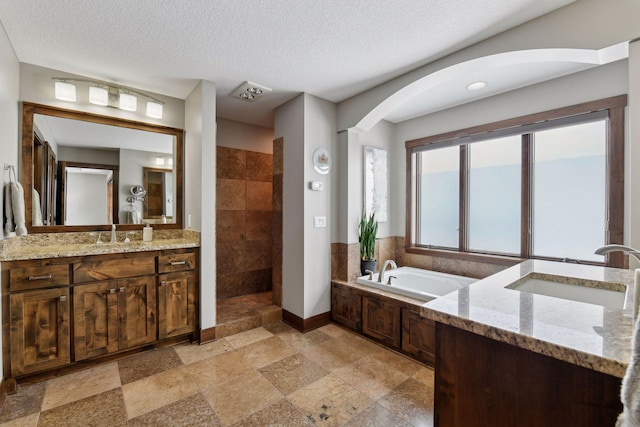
(26, 175)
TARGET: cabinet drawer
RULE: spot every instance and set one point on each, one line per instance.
(168, 263)
(113, 268)
(22, 278)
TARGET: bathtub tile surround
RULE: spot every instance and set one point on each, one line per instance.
(208, 385)
(244, 222)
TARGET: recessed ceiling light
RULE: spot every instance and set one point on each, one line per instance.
(249, 91)
(476, 86)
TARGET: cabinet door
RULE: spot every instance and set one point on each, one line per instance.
(346, 307)
(95, 315)
(177, 308)
(39, 330)
(418, 336)
(137, 311)
(381, 321)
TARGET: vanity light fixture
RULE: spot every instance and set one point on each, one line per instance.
(65, 91)
(249, 91)
(127, 102)
(159, 161)
(99, 95)
(108, 95)
(476, 86)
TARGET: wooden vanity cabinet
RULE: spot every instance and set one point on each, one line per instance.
(36, 316)
(61, 310)
(418, 336)
(346, 307)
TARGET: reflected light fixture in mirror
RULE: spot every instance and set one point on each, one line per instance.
(128, 102)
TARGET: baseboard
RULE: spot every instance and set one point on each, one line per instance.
(207, 335)
(7, 386)
(305, 325)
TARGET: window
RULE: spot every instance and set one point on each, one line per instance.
(546, 186)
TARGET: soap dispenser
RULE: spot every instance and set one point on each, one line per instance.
(147, 233)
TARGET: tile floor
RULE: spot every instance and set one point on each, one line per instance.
(271, 375)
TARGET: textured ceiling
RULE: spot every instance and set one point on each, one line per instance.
(333, 49)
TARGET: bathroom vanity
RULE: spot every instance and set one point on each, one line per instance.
(510, 355)
(69, 304)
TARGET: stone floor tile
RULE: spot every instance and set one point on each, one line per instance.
(218, 369)
(426, 376)
(104, 409)
(147, 363)
(301, 341)
(267, 351)
(26, 401)
(79, 385)
(193, 352)
(292, 373)
(398, 361)
(192, 411)
(329, 401)
(281, 414)
(26, 421)
(158, 390)
(333, 330)
(240, 397)
(412, 401)
(333, 354)
(248, 337)
(279, 328)
(371, 377)
(376, 416)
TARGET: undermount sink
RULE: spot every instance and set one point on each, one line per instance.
(606, 294)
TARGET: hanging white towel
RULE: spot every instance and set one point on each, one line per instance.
(17, 205)
(630, 395)
(9, 225)
(36, 209)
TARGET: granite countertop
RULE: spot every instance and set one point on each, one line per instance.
(587, 335)
(60, 245)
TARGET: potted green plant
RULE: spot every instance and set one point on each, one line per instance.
(367, 231)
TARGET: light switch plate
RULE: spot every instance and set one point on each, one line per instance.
(319, 221)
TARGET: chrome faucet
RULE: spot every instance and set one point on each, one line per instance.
(113, 234)
(634, 253)
(388, 262)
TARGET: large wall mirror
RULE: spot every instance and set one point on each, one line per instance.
(87, 171)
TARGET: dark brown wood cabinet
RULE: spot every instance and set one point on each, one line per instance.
(176, 304)
(381, 320)
(418, 336)
(346, 307)
(94, 305)
(39, 330)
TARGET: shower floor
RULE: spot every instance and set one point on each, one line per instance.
(239, 314)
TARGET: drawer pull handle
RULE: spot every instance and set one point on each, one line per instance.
(164, 282)
(63, 298)
(47, 277)
(122, 289)
(112, 291)
(177, 262)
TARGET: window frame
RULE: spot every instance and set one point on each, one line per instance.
(613, 109)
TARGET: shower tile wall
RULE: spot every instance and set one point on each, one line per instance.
(244, 222)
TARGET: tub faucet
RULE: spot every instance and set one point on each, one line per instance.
(387, 263)
(634, 253)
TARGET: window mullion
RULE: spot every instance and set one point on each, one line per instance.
(464, 199)
(526, 195)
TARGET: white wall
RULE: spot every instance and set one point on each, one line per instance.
(200, 195)
(131, 173)
(9, 118)
(319, 132)
(36, 86)
(88, 155)
(632, 195)
(289, 125)
(244, 136)
(86, 202)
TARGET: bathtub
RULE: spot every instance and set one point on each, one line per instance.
(416, 283)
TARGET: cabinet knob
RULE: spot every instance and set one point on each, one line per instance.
(112, 291)
(122, 289)
(46, 277)
(163, 282)
(63, 298)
